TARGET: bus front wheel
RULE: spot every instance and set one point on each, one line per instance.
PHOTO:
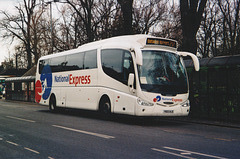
(105, 107)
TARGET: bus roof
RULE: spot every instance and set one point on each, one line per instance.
(125, 42)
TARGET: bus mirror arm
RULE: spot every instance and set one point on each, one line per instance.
(131, 82)
(194, 58)
(138, 55)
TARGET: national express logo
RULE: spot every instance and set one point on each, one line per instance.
(73, 80)
(159, 98)
(44, 85)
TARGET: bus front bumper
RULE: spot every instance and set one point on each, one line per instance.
(157, 110)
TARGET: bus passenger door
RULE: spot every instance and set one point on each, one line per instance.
(125, 99)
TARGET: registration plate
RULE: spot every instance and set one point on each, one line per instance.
(168, 111)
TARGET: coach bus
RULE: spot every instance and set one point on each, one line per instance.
(137, 75)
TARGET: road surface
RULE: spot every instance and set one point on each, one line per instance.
(28, 130)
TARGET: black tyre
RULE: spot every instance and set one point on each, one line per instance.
(52, 104)
(105, 107)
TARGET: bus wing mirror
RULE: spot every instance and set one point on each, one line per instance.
(194, 58)
(130, 81)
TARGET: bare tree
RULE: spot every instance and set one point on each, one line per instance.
(84, 21)
(84, 9)
(108, 12)
(191, 16)
(36, 34)
(127, 12)
(20, 56)
(19, 26)
(153, 12)
(170, 25)
(231, 25)
(68, 31)
(219, 30)
(209, 35)
(91, 20)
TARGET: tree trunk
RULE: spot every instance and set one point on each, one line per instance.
(191, 15)
(127, 10)
(29, 56)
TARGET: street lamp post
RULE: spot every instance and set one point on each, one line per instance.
(51, 23)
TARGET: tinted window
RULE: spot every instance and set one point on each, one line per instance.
(74, 62)
(57, 64)
(117, 64)
(77, 61)
(90, 60)
(127, 66)
(42, 63)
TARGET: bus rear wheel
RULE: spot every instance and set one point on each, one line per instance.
(52, 104)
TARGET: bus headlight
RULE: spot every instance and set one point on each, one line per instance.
(143, 102)
(186, 104)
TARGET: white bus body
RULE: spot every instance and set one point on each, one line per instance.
(137, 75)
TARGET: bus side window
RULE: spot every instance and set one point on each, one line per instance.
(117, 64)
(57, 63)
(90, 59)
(42, 63)
(127, 66)
(74, 62)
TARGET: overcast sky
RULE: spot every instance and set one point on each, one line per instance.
(6, 5)
(9, 6)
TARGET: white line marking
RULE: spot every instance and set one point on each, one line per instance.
(171, 153)
(85, 132)
(15, 144)
(185, 153)
(50, 157)
(31, 150)
(1, 139)
(197, 153)
(222, 139)
(12, 117)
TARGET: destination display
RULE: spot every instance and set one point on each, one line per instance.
(164, 42)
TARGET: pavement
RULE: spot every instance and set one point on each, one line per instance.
(188, 119)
